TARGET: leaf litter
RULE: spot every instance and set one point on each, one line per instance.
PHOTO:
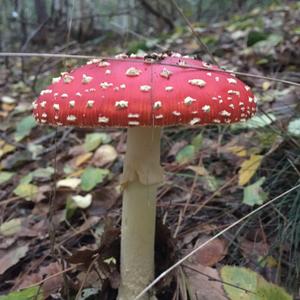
(230, 168)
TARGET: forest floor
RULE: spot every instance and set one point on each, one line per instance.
(60, 195)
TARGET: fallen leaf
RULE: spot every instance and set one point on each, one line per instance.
(12, 257)
(71, 183)
(245, 284)
(294, 127)
(104, 155)
(237, 150)
(199, 170)
(210, 254)
(87, 293)
(44, 173)
(260, 121)
(266, 85)
(6, 148)
(35, 293)
(82, 201)
(8, 100)
(24, 127)
(186, 154)
(11, 227)
(49, 286)
(272, 291)
(82, 158)
(254, 194)
(91, 177)
(27, 191)
(244, 278)
(176, 147)
(203, 282)
(254, 249)
(93, 140)
(5, 176)
(249, 168)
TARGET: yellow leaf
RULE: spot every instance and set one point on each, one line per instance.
(266, 85)
(81, 159)
(6, 148)
(248, 168)
(8, 107)
(199, 170)
(238, 150)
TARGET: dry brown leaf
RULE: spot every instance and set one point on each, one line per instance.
(176, 147)
(12, 257)
(49, 286)
(203, 286)
(104, 155)
(254, 249)
(210, 254)
(77, 150)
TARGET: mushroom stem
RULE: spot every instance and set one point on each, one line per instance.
(141, 176)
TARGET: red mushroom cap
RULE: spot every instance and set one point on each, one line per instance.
(135, 91)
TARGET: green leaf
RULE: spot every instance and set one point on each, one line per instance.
(243, 283)
(27, 178)
(93, 140)
(260, 121)
(5, 176)
(26, 190)
(256, 36)
(88, 292)
(240, 277)
(294, 127)
(44, 173)
(254, 194)
(26, 294)
(197, 141)
(271, 291)
(91, 177)
(70, 209)
(186, 154)
(24, 127)
(11, 227)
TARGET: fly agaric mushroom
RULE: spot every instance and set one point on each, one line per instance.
(143, 94)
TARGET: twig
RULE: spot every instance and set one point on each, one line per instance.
(46, 55)
(137, 35)
(218, 280)
(86, 276)
(52, 276)
(196, 35)
(174, 266)
(6, 139)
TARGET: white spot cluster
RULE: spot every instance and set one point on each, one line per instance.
(105, 85)
(121, 104)
(145, 88)
(103, 64)
(133, 72)
(188, 100)
(43, 92)
(157, 104)
(86, 79)
(90, 103)
(56, 79)
(68, 78)
(165, 73)
(197, 82)
(103, 120)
